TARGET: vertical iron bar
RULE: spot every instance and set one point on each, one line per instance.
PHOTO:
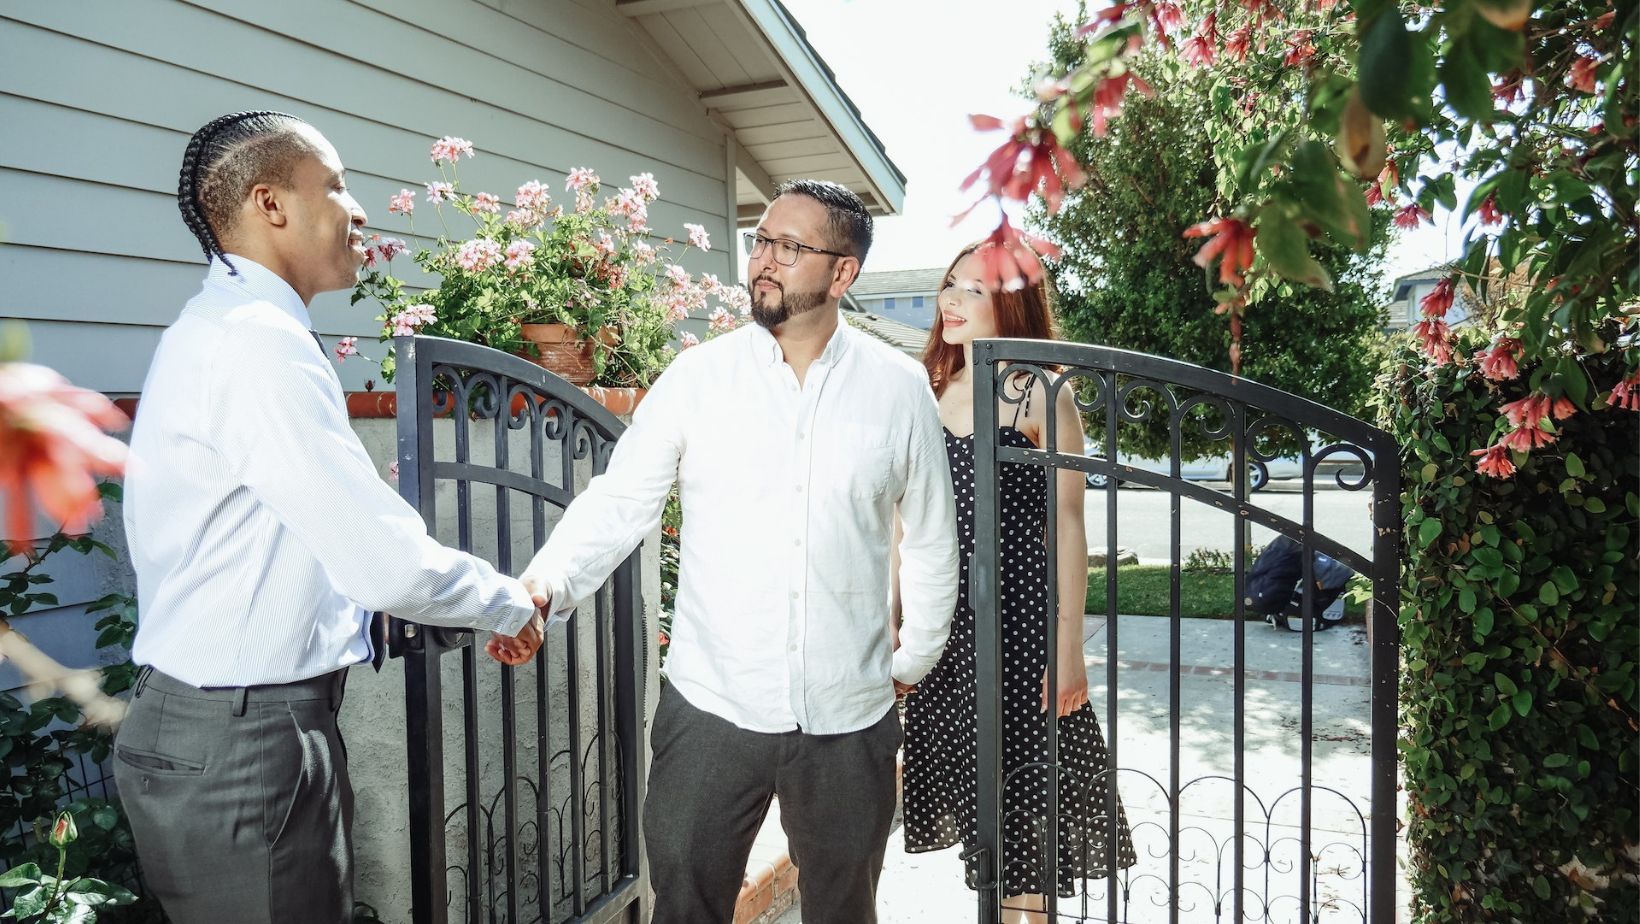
(604, 739)
(1051, 878)
(477, 872)
(572, 657)
(1306, 690)
(1386, 673)
(629, 690)
(982, 595)
(509, 705)
(1113, 829)
(424, 716)
(1176, 658)
(1238, 472)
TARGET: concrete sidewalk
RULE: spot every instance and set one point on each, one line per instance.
(928, 888)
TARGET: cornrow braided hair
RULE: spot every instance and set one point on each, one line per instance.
(224, 159)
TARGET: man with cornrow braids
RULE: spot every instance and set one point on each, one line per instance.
(266, 547)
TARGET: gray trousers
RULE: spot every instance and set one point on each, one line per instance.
(709, 791)
(239, 800)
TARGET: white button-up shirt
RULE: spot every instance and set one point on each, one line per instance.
(260, 532)
(789, 493)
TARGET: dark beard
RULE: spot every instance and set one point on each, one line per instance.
(788, 307)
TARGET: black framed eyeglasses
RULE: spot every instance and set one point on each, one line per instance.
(785, 252)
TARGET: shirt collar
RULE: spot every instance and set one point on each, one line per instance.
(261, 284)
(767, 349)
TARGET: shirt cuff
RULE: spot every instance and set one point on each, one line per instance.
(907, 671)
(521, 610)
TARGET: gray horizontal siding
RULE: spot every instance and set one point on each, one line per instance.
(108, 92)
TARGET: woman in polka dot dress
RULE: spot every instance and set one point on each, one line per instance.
(940, 764)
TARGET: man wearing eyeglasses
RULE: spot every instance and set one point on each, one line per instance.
(796, 443)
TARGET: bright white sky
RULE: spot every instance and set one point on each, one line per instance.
(917, 68)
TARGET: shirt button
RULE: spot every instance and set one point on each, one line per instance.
(792, 647)
(799, 489)
(800, 434)
(795, 595)
(797, 542)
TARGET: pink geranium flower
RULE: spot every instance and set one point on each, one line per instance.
(678, 275)
(450, 148)
(519, 254)
(644, 184)
(391, 247)
(403, 202)
(345, 347)
(697, 236)
(580, 178)
(478, 255)
(1494, 462)
(722, 321)
(484, 202)
(688, 340)
(533, 197)
(643, 252)
(439, 192)
(52, 449)
(522, 218)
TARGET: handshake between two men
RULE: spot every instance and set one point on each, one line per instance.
(514, 650)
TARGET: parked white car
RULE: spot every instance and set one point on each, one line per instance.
(1212, 468)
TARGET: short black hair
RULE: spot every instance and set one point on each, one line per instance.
(224, 159)
(848, 224)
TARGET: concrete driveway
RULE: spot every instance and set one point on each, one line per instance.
(928, 888)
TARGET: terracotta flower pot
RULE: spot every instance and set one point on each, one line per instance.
(563, 350)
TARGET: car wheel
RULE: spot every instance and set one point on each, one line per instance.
(1257, 477)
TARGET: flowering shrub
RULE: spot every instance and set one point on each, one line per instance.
(1519, 620)
(1324, 109)
(589, 266)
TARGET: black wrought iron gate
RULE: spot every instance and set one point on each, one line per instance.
(525, 783)
(1212, 842)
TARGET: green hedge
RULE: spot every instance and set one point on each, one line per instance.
(1519, 628)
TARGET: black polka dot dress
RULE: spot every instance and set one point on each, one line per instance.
(940, 807)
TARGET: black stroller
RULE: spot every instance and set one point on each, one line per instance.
(1274, 586)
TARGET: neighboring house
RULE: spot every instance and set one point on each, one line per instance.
(906, 296)
(1403, 312)
(903, 337)
(720, 99)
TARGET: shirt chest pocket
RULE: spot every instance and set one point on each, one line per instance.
(857, 460)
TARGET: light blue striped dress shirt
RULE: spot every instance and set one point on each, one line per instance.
(261, 534)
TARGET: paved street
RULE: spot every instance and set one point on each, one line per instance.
(1143, 522)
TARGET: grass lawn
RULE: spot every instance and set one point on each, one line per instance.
(1143, 590)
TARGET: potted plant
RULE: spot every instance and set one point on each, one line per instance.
(581, 290)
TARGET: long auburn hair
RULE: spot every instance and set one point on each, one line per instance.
(1026, 312)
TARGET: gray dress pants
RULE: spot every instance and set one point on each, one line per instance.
(709, 790)
(239, 800)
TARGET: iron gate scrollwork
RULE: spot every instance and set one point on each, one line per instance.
(1274, 861)
(525, 783)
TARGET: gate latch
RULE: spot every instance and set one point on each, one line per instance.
(979, 875)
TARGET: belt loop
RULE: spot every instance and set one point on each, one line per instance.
(142, 679)
(239, 696)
